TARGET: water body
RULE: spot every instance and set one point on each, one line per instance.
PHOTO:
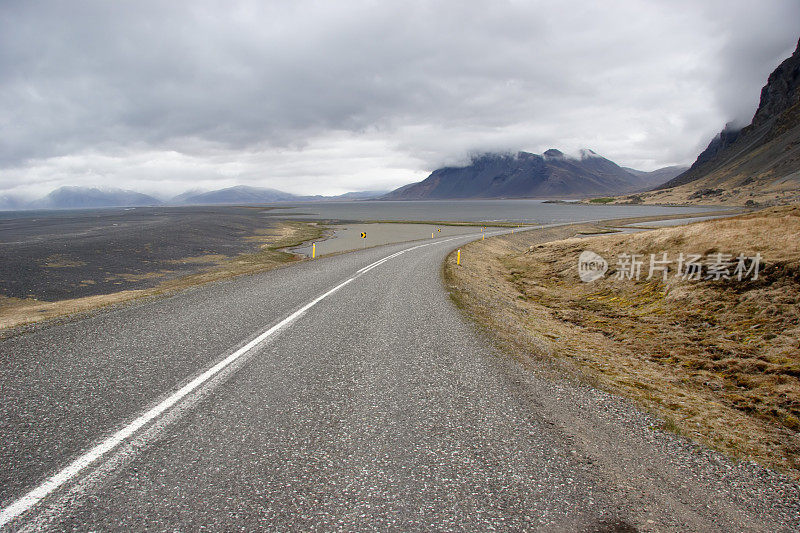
(347, 236)
(479, 211)
(69, 213)
(346, 219)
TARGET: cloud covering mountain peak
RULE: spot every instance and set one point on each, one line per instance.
(323, 98)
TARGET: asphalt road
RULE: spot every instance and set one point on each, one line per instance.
(378, 408)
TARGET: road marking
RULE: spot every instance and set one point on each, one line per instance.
(33, 497)
(36, 495)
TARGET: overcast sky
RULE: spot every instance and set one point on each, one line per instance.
(328, 97)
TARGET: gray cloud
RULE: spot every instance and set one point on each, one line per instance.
(323, 97)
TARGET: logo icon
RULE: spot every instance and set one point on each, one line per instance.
(591, 266)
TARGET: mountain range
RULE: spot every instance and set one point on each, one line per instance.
(527, 175)
(71, 197)
(755, 165)
(80, 197)
(521, 175)
(244, 194)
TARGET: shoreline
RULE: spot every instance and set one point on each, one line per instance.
(18, 314)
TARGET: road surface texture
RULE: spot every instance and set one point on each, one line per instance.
(379, 407)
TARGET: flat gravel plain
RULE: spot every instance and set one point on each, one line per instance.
(57, 255)
(380, 408)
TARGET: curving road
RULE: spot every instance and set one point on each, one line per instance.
(346, 393)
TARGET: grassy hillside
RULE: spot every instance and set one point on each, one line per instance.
(719, 361)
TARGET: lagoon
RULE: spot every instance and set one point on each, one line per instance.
(478, 211)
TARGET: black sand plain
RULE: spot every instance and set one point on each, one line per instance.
(58, 255)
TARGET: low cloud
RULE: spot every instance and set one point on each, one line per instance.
(323, 98)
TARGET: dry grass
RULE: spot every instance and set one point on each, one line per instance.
(16, 312)
(718, 360)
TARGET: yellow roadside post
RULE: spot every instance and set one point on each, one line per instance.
(483, 236)
(313, 250)
(431, 235)
(458, 257)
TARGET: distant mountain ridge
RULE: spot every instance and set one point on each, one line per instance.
(240, 194)
(72, 197)
(659, 176)
(527, 175)
(245, 194)
(89, 197)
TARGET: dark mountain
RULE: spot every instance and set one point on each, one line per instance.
(657, 177)
(240, 194)
(708, 158)
(86, 197)
(524, 175)
(759, 163)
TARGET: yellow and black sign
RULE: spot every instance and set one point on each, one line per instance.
(439, 230)
(363, 234)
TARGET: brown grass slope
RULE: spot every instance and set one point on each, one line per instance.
(718, 360)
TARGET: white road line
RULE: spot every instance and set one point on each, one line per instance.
(33, 497)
